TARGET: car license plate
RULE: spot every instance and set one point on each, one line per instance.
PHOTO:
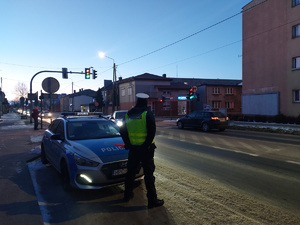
(222, 119)
(119, 172)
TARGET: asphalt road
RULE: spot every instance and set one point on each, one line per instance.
(231, 177)
(242, 160)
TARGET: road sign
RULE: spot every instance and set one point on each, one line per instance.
(53, 96)
(32, 96)
(195, 88)
(50, 85)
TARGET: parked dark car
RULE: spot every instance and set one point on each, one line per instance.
(206, 120)
(87, 150)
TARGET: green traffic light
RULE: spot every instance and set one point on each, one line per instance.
(87, 73)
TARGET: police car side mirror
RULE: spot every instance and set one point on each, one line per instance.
(56, 137)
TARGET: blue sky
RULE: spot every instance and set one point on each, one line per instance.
(41, 35)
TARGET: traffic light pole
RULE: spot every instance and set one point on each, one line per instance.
(44, 71)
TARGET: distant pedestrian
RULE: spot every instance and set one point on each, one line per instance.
(138, 135)
(35, 116)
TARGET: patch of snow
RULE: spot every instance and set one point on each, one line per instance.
(36, 138)
(36, 150)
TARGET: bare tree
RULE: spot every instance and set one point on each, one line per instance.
(21, 90)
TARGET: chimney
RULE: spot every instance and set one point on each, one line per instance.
(120, 78)
(164, 75)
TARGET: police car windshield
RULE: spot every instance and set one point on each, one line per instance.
(84, 130)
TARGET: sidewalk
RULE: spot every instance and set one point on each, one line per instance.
(18, 202)
(267, 127)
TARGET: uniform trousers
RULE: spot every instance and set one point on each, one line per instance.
(135, 157)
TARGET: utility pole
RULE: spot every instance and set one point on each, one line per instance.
(114, 87)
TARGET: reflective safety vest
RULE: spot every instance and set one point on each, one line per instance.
(137, 129)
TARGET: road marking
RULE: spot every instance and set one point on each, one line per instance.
(170, 136)
(227, 142)
(298, 163)
(247, 146)
(195, 138)
(33, 167)
(182, 137)
(212, 142)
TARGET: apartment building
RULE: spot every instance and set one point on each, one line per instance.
(168, 96)
(271, 58)
(220, 95)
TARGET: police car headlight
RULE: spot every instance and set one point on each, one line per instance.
(81, 161)
(120, 123)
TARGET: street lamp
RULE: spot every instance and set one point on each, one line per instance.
(103, 55)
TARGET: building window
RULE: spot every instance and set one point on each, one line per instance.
(216, 104)
(229, 91)
(216, 91)
(296, 30)
(296, 2)
(123, 92)
(296, 63)
(296, 95)
(129, 91)
(229, 105)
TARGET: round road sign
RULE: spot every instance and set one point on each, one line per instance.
(50, 85)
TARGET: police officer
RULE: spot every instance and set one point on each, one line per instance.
(138, 135)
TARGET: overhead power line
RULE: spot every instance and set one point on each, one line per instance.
(176, 42)
(189, 36)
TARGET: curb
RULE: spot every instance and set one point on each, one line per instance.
(264, 129)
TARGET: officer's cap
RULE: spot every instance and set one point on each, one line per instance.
(142, 95)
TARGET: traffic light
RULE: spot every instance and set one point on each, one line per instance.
(87, 73)
(65, 73)
(94, 74)
(22, 99)
(198, 97)
(191, 94)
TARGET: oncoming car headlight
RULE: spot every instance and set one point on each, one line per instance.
(81, 161)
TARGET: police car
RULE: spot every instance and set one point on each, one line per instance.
(87, 150)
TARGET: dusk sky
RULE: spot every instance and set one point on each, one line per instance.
(173, 37)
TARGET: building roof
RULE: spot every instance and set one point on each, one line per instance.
(145, 76)
(87, 92)
(198, 82)
(221, 82)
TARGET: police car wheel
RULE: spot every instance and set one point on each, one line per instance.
(43, 156)
(65, 177)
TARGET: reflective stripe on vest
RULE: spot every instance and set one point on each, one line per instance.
(137, 129)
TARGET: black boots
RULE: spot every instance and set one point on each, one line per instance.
(151, 203)
(127, 197)
(155, 203)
